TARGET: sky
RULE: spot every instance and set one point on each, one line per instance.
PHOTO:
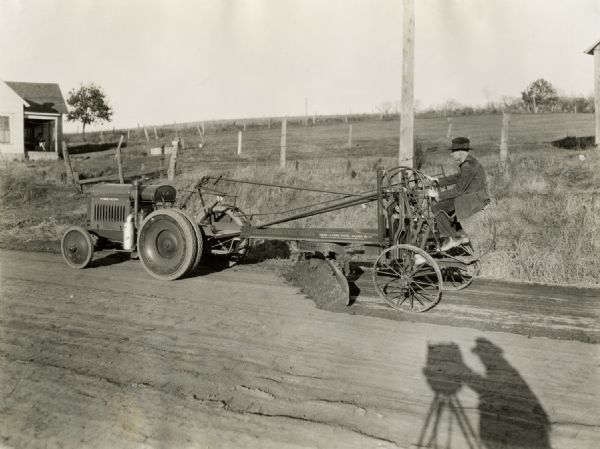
(174, 61)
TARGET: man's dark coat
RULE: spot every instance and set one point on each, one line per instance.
(470, 190)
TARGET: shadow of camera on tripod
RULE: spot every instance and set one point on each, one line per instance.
(510, 414)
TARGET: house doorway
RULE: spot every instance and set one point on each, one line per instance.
(40, 134)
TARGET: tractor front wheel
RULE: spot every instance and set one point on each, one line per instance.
(77, 247)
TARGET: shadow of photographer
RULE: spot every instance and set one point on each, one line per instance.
(510, 414)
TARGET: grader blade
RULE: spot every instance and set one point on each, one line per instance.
(340, 279)
(323, 281)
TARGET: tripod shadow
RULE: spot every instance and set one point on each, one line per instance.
(510, 414)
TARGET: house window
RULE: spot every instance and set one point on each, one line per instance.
(4, 129)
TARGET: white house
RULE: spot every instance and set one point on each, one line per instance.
(31, 116)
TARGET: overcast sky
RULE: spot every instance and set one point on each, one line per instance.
(165, 61)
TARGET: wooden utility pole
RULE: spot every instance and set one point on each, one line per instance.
(283, 143)
(119, 163)
(595, 50)
(407, 118)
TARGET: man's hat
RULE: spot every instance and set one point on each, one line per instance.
(460, 144)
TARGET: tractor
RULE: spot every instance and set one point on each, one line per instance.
(147, 222)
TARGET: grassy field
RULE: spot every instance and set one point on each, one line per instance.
(547, 213)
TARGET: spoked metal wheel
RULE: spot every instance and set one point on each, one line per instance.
(167, 244)
(77, 247)
(222, 226)
(414, 183)
(459, 268)
(408, 278)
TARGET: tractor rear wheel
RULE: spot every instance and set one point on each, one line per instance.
(198, 235)
(77, 247)
(167, 244)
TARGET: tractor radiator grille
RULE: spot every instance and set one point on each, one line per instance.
(109, 212)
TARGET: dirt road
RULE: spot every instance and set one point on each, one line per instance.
(109, 358)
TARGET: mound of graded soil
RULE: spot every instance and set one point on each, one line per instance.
(315, 278)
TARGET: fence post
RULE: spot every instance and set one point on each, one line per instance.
(305, 111)
(314, 118)
(146, 133)
(101, 136)
(244, 125)
(239, 143)
(449, 132)
(269, 123)
(155, 134)
(128, 135)
(68, 167)
(119, 162)
(504, 142)
(350, 136)
(173, 163)
(283, 143)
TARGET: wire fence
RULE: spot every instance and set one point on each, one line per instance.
(229, 145)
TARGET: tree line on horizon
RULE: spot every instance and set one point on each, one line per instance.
(539, 96)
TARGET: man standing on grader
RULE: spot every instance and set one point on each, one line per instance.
(464, 203)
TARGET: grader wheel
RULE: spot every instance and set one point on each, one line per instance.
(408, 278)
(167, 244)
(77, 247)
(463, 271)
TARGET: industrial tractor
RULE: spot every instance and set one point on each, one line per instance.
(146, 221)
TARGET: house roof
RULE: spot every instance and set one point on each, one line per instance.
(590, 51)
(42, 97)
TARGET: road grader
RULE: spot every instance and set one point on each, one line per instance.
(409, 268)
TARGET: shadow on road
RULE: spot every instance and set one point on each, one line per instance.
(510, 414)
(110, 258)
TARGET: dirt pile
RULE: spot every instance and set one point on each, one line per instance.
(316, 279)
